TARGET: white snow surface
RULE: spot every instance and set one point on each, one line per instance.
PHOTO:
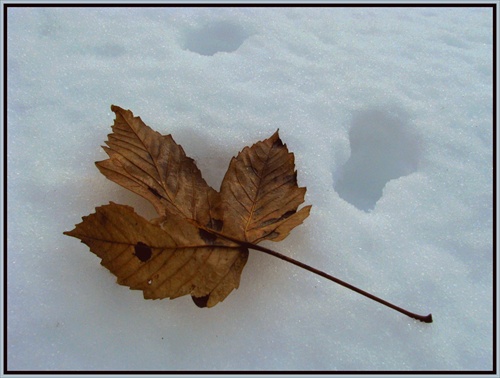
(389, 114)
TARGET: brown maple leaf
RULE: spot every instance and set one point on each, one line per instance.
(199, 243)
(183, 251)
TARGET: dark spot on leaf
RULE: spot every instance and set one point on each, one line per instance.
(207, 236)
(288, 214)
(268, 222)
(201, 301)
(275, 220)
(271, 235)
(142, 251)
(215, 224)
(155, 192)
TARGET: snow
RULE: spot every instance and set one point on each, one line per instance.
(389, 114)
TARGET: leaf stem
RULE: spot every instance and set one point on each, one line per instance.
(422, 318)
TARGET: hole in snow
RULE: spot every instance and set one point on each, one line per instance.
(382, 149)
(221, 36)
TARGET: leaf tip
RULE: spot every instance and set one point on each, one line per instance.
(276, 140)
(115, 108)
(72, 233)
(118, 110)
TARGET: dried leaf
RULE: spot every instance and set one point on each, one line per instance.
(164, 260)
(260, 195)
(198, 245)
(157, 168)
